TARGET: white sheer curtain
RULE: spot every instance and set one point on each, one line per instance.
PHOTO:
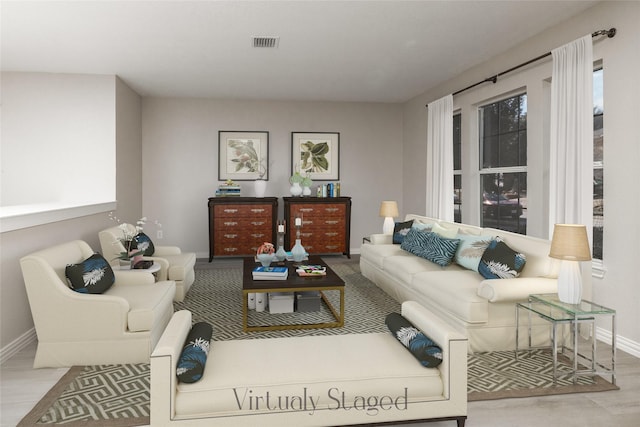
(571, 154)
(571, 162)
(440, 159)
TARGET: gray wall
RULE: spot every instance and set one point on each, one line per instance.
(180, 157)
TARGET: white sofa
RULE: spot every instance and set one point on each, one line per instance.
(121, 325)
(308, 371)
(483, 309)
(174, 264)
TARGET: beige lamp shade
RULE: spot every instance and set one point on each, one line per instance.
(389, 209)
(570, 243)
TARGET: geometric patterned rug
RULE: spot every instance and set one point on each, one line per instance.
(118, 395)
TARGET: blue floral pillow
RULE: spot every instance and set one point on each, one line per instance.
(94, 275)
(143, 242)
(194, 354)
(499, 261)
(423, 348)
(471, 249)
(400, 230)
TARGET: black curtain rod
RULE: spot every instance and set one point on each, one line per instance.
(493, 79)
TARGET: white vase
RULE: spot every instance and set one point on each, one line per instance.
(306, 191)
(260, 186)
(295, 189)
(297, 252)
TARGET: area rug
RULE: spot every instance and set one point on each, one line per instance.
(118, 395)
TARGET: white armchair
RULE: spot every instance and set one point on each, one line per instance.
(121, 325)
(174, 264)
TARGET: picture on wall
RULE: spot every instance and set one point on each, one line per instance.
(243, 155)
(317, 154)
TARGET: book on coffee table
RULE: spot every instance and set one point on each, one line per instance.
(270, 273)
(311, 270)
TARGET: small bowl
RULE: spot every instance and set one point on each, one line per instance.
(266, 259)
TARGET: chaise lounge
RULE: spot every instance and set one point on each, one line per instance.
(312, 380)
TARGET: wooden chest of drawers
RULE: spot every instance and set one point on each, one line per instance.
(239, 225)
(326, 224)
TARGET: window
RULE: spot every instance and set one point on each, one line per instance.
(503, 164)
(598, 158)
(457, 168)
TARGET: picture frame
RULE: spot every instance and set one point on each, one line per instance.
(317, 153)
(243, 155)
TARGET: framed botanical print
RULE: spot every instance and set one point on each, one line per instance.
(316, 153)
(243, 155)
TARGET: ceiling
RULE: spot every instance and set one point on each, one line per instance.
(365, 51)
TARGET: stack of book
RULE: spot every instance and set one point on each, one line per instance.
(228, 190)
(311, 270)
(270, 273)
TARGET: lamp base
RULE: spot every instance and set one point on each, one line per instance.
(570, 282)
(387, 226)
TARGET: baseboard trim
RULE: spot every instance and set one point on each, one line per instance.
(622, 343)
(8, 351)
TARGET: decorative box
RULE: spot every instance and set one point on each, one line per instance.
(280, 302)
(308, 301)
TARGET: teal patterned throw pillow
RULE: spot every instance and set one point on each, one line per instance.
(470, 250)
(430, 246)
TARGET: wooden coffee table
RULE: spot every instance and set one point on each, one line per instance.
(294, 283)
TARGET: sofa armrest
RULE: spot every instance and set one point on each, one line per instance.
(166, 250)
(518, 289)
(132, 278)
(164, 360)
(381, 239)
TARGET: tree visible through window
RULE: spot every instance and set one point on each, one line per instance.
(503, 164)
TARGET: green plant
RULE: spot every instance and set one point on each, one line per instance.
(313, 156)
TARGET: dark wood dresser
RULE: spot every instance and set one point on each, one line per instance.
(326, 224)
(239, 225)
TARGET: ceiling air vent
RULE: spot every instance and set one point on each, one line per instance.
(266, 42)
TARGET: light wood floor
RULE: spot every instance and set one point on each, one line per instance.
(22, 387)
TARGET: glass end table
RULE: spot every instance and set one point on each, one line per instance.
(548, 307)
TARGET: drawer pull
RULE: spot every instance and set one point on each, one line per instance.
(332, 209)
(230, 223)
(256, 235)
(332, 222)
(230, 210)
(331, 234)
(332, 247)
(257, 210)
(306, 234)
(230, 236)
(306, 209)
(257, 223)
(231, 249)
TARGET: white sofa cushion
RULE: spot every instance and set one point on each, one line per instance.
(376, 254)
(405, 265)
(242, 372)
(455, 291)
(147, 303)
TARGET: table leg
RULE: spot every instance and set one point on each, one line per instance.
(554, 350)
(245, 310)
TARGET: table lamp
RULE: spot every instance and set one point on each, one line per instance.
(388, 210)
(570, 245)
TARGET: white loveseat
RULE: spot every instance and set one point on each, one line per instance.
(121, 325)
(484, 309)
(311, 380)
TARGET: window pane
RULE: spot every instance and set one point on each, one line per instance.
(509, 112)
(457, 198)
(504, 201)
(457, 142)
(490, 152)
(490, 120)
(509, 152)
(598, 163)
(598, 212)
(507, 147)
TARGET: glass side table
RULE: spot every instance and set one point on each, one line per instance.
(556, 312)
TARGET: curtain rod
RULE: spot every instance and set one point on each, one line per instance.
(493, 79)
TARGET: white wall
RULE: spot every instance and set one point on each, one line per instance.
(620, 287)
(16, 324)
(51, 120)
(180, 157)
